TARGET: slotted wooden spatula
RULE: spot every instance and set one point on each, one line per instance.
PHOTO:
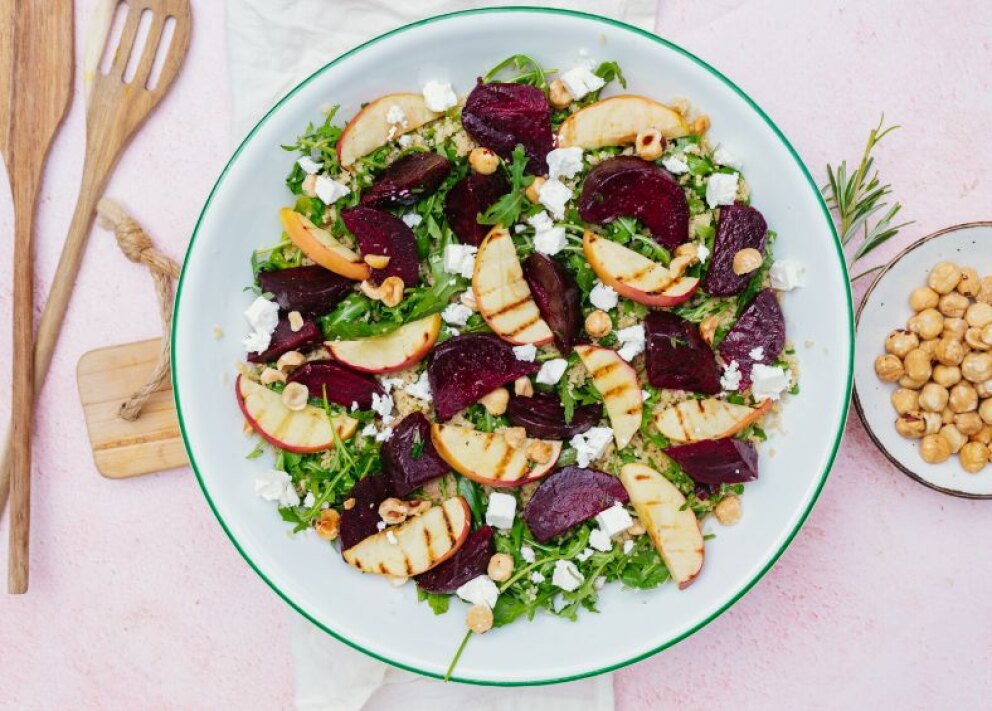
(35, 86)
(118, 102)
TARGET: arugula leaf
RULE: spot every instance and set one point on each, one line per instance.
(529, 72)
(317, 142)
(438, 602)
(472, 493)
(507, 209)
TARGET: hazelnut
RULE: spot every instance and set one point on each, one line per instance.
(377, 261)
(929, 347)
(985, 411)
(558, 94)
(944, 277)
(391, 291)
(974, 456)
(973, 338)
(953, 305)
(515, 436)
(928, 324)
(933, 397)
(637, 529)
(911, 425)
(932, 422)
(598, 324)
(985, 290)
(984, 388)
(417, 507)
(483, 161)
(295, 396)
(540, 451)
(963, 398)
(393, 511)
(309, 185)
(479, 619)
(523, 387)
(728, 510)
(295, 319)
(533, 190)
(946, 375)
(500, 567)
(649, 144)
(349, 503)
(970, 284)
(979, 315)
(917, 364)
(954, 328)
(701, 125)
(947, 416)
(688, 249)
(327, 525)
(987, 335)
(949, 351)
(290, 359)
(977, 367)
(369, 289)
(495, 402)
(900, 342)
(677, 267)
(968, 423)
(708, 326)
(954, 436)
(889, 368)
(935, 448)
(271, 375)
(905, 400)
(923, 298)
(746, 261)
(911, 384)
(984, 436)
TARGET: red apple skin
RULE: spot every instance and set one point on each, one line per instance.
(269, 438)
(664, 299)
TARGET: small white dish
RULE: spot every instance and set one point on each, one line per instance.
(885, 308)
(388, 622)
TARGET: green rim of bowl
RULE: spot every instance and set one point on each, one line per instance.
(850, 357)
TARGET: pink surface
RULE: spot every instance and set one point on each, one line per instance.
(138, 598)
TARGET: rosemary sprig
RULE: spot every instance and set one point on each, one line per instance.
(860, 200)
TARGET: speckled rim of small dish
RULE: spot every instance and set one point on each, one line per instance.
(857, 400)
(850, 355)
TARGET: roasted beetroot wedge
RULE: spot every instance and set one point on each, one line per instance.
(383, 233)
(284, 339)
(408, 180)
(557, 297)
(471, 561)
(762, 325)
(500, 116)
(543, 416)
(568, 497)
(311, 290)
(717, 461)
(467, 199)
(739, 227)
(342, 385)
(409, 458)
(362, 520)
(626, 186)
(467, 367)
(677, 356)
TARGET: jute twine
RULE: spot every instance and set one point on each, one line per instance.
(138, 247)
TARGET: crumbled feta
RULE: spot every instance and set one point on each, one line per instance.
(468, 298)
(721, 189)
(263, 317)
(645, 395)
(391, 537)
(439, 96)
(527, 553)
(383, 405)
(385, 433)
(276, 485)
(564, 162)
(614, 520)
(456, 314)
(421, 389)
(460, 259)
(381, 525)
(526, 352)
(631, 342)
(309, 165)
(723, 156)
(757, 353)
(479, 591)
(517, 229)
(396, 117)
(537, 578)
(329, 190)
(551, 371)
(412, 219)
(501, 510)
(600, 540)
(702, 252)
(585, 555)
(405, 140)
(369, 430)
(548, 239)
(628, 546)
(554, 195)
(603, 297)
(309, 500)
(787, 274)
(731, 378)
(389, 383)
(559, 603)
(599, 582)
(768, 381)
(580, 81)
(566, 576)
(674, 164)
(590, 445)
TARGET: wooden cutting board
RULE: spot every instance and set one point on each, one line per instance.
(107, 377)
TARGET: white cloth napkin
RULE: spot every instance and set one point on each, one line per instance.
(272, 45)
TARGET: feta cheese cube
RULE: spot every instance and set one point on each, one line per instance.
(631, 342)
(412, 219)
(439, 96)
(703, 252)
(614, 520)
(721, 189)
(675, 165)
(628, 546)
(600, 541)
(526, 352)
(580, 81)
(566, 576)
(757, 353)
(309, 165)
(551, 242)
(787, 274)
(768, 381)
(551, 371)
(405, 140)
(731, 378)
(276, 485)
(479, 591)
(723, 156)
(564, 162)
(603, 297)
(590, 445)
(554, 195)
(329, 190)
(456, 314)
(527, 553)
(420, 389)
(541, 222)
(501, 510)
(460, 259)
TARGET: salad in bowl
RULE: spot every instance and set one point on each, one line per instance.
(514, 345)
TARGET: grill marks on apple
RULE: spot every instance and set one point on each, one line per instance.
(633, 275)
(487, 457)
(502, 294)
(370, 129)
(616, 381)
(415, 546)
(616, 121)
(712, 418)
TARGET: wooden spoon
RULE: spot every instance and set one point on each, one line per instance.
(117, 106)
(34, 95)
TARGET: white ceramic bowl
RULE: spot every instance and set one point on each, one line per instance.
(886, 307)
(387, 622)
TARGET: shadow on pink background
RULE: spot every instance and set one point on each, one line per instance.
(137, 598)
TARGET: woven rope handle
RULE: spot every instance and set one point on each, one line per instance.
(139, 248)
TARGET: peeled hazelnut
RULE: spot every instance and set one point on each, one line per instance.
(985, 290)
(963, 398)
(500, 567)
(905, 400)
(923, 298)
(933, 397)
(391, 291)
(479, 619)
(701, 125)
(949, 351)
(707, 328)
(944, 277)
(977, 367)
(953, 305)
(973, 338)
(911, 425)
(954, 328)
(649, 144)
(523, 387)
(900, 342)
(946, 375)
(969, 423)
(979, 315)
(290, 359)
(515, 436)
(540, 451)
(974, 456)
(271, 375)
(985, 411)
(928, 324)
(970, 284)
(295, 396)
(917, 365)
(377, 261)
(533, 190)
(496, 401)
(728, 510)
(933, 421)
(746, 261)
(559, 95)
(677, 267)
(295, 321)
(393, 511)
(327, 525)
(483, 161)
(952, 435)
(417, 507)
(888, 368)
(934, 449)
(598, 323)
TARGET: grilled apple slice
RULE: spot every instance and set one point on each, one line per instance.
(321, 246)
(400, 349)
(617, 121)
(502, 294)
(370, 128)
(616, 381)
(633, 275)
(416, 545)
(487, 458)
(673, 529)
(695, 420)
(301, 431)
